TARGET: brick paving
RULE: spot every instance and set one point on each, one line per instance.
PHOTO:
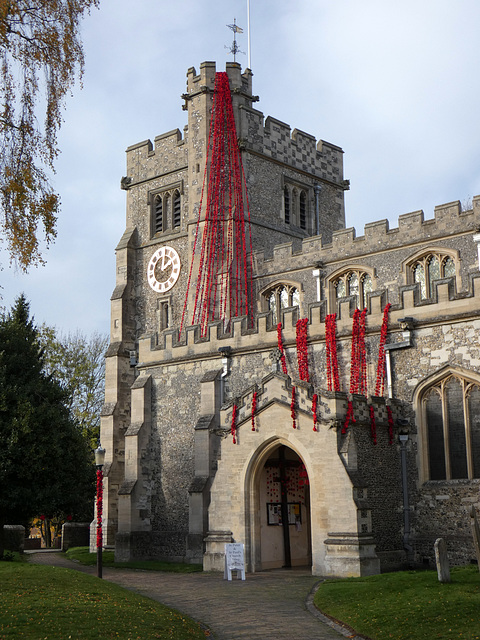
(267, 605)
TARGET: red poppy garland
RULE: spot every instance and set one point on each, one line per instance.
(254, 409)
(302, 353)
(314, 411)
(233, 428)
(280, 346)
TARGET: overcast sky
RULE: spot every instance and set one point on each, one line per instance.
(395, 84)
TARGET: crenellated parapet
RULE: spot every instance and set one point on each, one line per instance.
(446, 303)
(276, 140)
(146, 161)
(449, 220)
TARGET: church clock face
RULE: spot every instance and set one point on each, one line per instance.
(163, 269)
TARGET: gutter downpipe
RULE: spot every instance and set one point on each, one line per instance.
(407, 326)
(403, 437)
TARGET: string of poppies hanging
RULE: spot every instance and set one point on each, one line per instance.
(358, 364)
(333, 378)
(302, 353)
(314, 411)
(380, 380)
(358, 370)
(281, 348)
(224, 279)
(254, 409)
(233, 426)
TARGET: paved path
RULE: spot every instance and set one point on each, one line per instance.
(267, 605)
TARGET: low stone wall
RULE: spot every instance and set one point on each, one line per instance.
(14, 537)
(75, 534)
(149, 545)
(443, 511)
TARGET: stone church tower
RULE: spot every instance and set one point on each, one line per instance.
(354, 428)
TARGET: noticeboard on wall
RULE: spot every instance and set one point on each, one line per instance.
(274, 513)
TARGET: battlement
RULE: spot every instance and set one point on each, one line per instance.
(205, 80)
(449, 220)
(444, 305)
(301, 150)
(145, 161)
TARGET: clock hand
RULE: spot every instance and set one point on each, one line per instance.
(167, 263)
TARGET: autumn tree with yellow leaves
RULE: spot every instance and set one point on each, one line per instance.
(41, 58)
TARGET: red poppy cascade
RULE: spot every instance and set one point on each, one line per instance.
(358, 371)
(223, 271)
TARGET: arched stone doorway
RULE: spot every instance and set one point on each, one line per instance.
(278, 492)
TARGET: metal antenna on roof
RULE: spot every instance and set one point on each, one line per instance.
(234, 48)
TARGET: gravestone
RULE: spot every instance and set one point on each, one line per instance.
(441, 558)
(476, 533)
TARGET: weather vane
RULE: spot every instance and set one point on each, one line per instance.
(234, 48)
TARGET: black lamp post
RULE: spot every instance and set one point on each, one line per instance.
(99, 462)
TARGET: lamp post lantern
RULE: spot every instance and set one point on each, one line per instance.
(99, 462)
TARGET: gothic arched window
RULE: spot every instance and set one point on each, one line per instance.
(353, 282)
(429, 268)
(166, 209)
(296, 211)
(280, 297)
(451, 428)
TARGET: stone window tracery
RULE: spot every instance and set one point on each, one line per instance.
(354, 282)
(451, 428)
(281, 297)
(429, 268)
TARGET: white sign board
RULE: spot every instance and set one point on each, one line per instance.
(234, 560)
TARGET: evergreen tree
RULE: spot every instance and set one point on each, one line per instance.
(45, 463)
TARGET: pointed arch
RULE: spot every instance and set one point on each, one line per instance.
(258, 530)
(447, 406)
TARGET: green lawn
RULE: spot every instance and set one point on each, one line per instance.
(83, 555)
(39, 602)
(408, 605)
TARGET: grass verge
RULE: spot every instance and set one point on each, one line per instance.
(51, 602)
(407, 605)
(83, 555)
